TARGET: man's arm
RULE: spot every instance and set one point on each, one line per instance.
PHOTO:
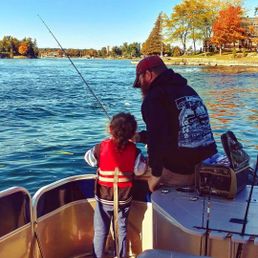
(153, 183)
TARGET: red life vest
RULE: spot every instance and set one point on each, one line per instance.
(110, 158)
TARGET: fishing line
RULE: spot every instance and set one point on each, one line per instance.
(85, 82)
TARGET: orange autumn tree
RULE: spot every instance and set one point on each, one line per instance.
(250, 30)
(227, 28)
(23, 49)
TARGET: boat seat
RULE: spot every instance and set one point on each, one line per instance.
(166, 254)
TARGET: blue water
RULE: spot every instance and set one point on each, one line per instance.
(49, 118)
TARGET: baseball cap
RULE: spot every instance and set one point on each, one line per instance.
(146, 64)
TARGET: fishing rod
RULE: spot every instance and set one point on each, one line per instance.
(106, 113)
(85, 82)
(208, 212)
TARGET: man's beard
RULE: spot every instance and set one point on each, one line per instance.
(144, 90)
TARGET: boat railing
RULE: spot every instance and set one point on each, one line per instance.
(59, 219)
(55, 195)
(65, 209)
(16, 224)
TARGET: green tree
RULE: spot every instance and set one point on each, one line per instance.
(102, 52)
(167, 50)
(35, 48)
(10, 45)
(195, 17)
(135, 49)
(130, 50)
(116, 51)
(154, 43)
(190, 19)
(177, 28)
(125, 50)
(92, 52)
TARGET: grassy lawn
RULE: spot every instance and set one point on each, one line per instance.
(226, 58)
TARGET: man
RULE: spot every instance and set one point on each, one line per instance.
(178, 133)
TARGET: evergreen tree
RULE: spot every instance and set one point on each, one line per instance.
(35, 48)
(116, 51)
(103, 52)
(130, 50)
(154, 45)
(135, 49)
(167, 50)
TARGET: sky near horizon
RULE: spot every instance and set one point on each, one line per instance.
(86, 23)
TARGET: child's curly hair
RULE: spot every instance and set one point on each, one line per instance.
(122, 127)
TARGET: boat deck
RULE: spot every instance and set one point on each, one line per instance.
(183, 215)
(188, 210)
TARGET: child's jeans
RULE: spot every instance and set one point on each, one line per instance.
(102, 219)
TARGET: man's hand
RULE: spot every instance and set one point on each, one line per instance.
(140, 137)
(136, 138)
(153, 183)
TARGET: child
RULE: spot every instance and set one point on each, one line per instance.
(117, 152)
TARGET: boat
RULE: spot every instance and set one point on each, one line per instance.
(57, 222)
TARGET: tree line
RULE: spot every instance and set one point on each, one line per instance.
(11, 46)
(125, 51)
(217, 24)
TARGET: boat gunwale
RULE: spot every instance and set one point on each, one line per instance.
(62, 208)
(51, 186)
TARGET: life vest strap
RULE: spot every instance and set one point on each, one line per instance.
(111, 180)
(112, 173)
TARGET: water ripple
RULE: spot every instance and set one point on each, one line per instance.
(49, 118)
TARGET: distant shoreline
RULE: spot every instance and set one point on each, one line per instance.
(227, 63)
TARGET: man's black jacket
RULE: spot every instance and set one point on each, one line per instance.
(177, 125)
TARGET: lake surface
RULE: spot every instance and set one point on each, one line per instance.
(48, 117)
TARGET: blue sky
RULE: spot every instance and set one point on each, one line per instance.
(85, 23)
